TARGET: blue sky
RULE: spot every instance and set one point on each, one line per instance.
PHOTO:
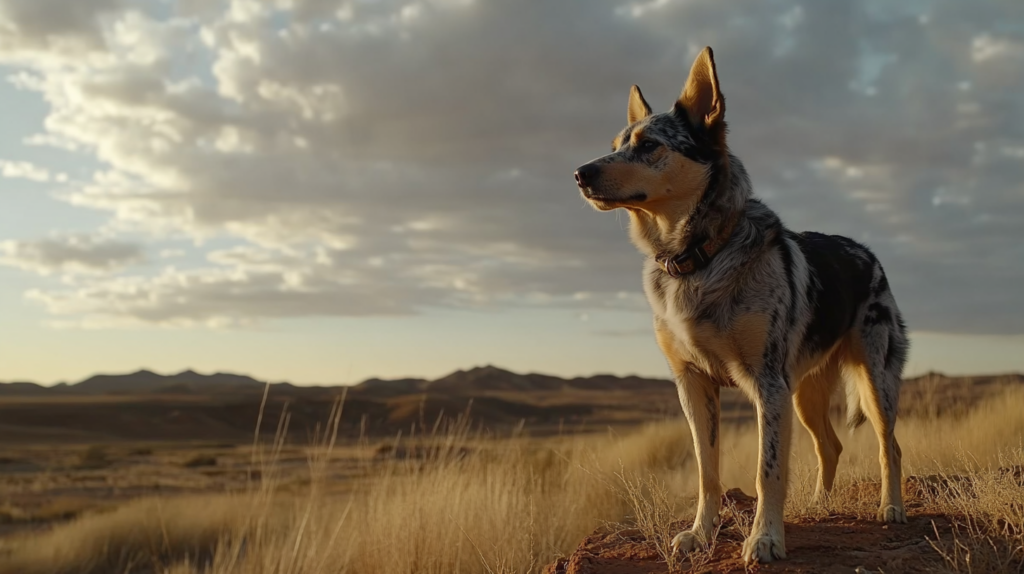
(326, 190)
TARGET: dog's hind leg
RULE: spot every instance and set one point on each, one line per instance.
(877, 352)
(699, 397)
(811, 401)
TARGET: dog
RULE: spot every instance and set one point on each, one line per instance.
(740, 300)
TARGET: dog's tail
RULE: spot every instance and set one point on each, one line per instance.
(863, 396)
(854, 413)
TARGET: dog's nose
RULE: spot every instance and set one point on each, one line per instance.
(585, 175)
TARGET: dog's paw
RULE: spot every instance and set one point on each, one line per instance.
(763, 548)
(687, 541)
(892, 513)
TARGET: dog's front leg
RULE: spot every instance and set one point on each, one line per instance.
(699, 396)
(767, 540)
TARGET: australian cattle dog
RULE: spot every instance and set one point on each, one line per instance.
(739, 299)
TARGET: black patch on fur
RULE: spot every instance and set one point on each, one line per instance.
(889, 401)
(787, 268)
(877, 314)
(881, 287)
(896, 351)
(714, 178)
(840, 282)
(773, 421)
(700, 147)
(772, 361)
(639, 196)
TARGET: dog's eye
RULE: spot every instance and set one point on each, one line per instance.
(647, 145)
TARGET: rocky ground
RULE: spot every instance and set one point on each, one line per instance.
(838, 544)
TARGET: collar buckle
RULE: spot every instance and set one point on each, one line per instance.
(699, 256)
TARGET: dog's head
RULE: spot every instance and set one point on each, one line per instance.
(662, 160)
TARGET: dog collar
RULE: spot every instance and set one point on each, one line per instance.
(699, 255)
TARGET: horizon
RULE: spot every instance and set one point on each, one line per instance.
(333, 192)
(271, 381)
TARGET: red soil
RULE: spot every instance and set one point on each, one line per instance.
(834, 544)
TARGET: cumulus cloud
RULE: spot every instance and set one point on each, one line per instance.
(69, 254)
(380, 158)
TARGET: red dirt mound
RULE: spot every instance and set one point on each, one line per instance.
(837, 544)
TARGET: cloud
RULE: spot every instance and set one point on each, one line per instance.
(51, 30)
(386, 157)
(29, 171)
(70, 254)
(218, 298)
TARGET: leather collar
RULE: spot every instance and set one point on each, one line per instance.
(698, 255)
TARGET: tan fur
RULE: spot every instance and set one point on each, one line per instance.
(811, 402)
(672, 190)
(702, 97)
(636, 136)
(638, 108)
(734, 352)
(672, 194)
(748, 334)
(696, 389)
(669, 346)
(855, 366)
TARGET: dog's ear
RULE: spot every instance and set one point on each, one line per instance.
(701, 99)
(638, 108)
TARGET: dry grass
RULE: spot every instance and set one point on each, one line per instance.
(652, 512)
(140, 533)
(93, 458)
(989, 504)
(468, 504)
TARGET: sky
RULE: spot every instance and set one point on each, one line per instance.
(322, 191)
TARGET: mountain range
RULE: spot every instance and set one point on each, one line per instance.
(486, 378)
(190, 406)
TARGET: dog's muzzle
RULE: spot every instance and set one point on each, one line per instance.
(586, 174)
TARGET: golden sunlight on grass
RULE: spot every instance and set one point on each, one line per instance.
(456, 502)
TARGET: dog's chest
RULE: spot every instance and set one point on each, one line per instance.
(697, 327)
(676, 306)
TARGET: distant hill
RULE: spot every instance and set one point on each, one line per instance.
(469, 382)
(387, 388)
(191, 406)
(148, 381)
(143, 381)
(933, 378)
(487, 379)
(25, 389)
(147, 406)
(490, 378)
